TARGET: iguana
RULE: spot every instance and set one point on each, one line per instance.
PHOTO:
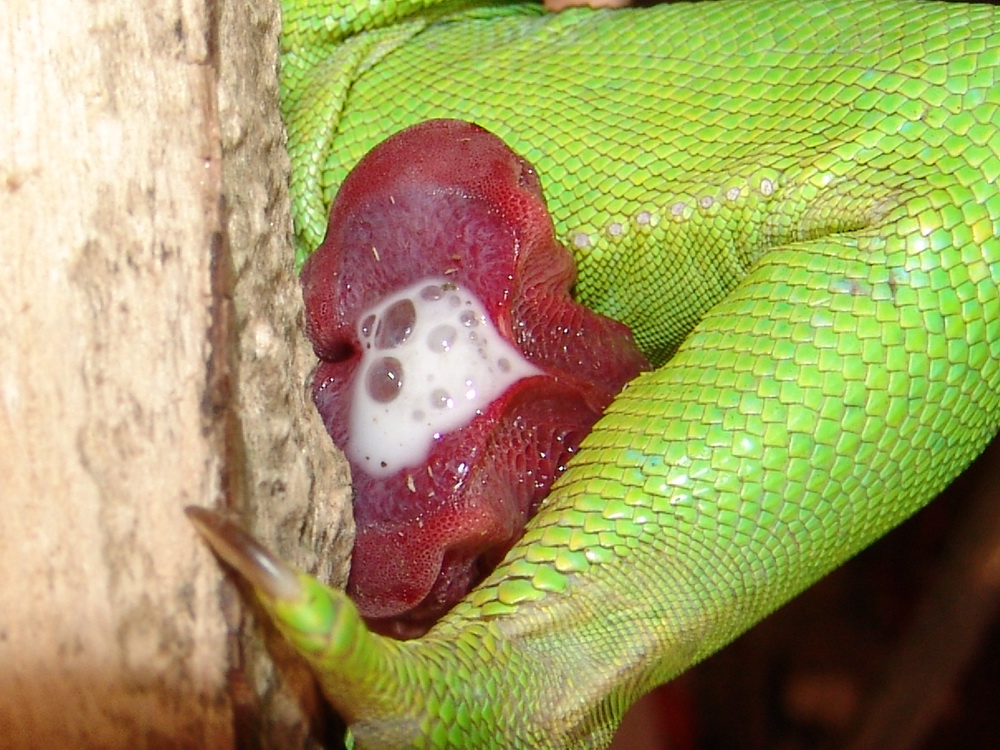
(795, 208)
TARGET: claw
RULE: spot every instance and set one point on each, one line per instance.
(364, 676)
(250, 558)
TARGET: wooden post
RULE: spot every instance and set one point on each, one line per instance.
(151, 359)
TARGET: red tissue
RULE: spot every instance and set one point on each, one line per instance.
(446, 199)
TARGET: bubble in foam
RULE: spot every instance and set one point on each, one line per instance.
(413, 365)
(367, 325)
(384, 379)
(441, 399)
(442, 338)
(431, 292)
(396, 324)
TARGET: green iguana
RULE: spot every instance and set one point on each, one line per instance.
(795, 208)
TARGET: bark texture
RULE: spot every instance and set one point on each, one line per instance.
(149, 333)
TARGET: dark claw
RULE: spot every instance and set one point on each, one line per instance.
(269, 575)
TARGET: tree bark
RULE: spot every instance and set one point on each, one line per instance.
(152, 359)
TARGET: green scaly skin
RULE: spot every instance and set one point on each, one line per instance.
(805, 195)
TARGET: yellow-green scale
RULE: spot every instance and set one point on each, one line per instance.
(757, 450)
(732, 145)
(809, 191)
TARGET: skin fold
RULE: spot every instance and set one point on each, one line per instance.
(447, 204)
(794, 206)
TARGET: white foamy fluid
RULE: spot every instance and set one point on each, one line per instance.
(431, 361)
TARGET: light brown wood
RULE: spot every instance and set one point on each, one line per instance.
(288, 483)
(148, 333)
